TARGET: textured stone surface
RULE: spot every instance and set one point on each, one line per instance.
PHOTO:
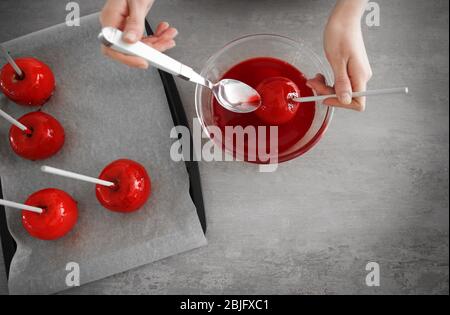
(374, 189)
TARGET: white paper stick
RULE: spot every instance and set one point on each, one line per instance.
(12, 62)
(60, 172)
(402, 90)
(20, 206)
(13, 121)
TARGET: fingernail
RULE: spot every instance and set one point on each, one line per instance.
(309, 84)
(345, 98)
(143, 66)
(130, 37)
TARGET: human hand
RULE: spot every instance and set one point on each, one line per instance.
(129, 16)
(346, 53)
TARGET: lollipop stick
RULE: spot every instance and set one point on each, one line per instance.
(402, 90)
(63, 173)
(14, 121)
(20, 206)
(12, 62)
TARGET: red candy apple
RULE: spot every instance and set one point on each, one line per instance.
(44, 138)
(59, 217)
(276, 107)
(132, 186)
(34, 88)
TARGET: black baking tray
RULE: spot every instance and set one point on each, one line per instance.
(195, 188)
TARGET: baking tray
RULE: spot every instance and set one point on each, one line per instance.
(179, 119)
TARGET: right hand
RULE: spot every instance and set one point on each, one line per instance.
(346, 53)
(129, 16)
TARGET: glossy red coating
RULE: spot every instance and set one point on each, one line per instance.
(34, 88)
(132, 189)
(45, 137)
(59, 217)
(276, 107)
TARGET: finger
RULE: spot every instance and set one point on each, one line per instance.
(342, 84)
(161, 28)
(318, 84)
(163, 42)
(134, 26)
(167, 35)
(113, 13)
(359, 103)
(321, 88)
(360, 74)
(150, 40)
(131, 61)
(162, 46)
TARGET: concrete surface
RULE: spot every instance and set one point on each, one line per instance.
(374, 189)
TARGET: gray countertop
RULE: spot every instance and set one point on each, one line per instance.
(374, 189)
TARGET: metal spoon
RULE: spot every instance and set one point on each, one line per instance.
(234, 95)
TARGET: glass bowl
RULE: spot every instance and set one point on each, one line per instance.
(295, 53)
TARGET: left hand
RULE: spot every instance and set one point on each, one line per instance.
(129, 16)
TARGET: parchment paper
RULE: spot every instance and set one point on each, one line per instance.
(109, 111)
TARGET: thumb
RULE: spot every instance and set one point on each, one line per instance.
(134, 25)
(342, 83)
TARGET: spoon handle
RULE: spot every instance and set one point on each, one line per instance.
(112, 37)
(402, 90)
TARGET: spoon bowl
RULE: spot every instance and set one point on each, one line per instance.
(236, 96)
